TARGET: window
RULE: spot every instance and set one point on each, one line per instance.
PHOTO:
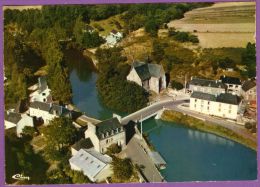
(219, 109)
(202, 101)
(208, 102)
(194, 105)
(43, 94)
(229, 111)
(195, 100)
(107, 141)
(208, 107)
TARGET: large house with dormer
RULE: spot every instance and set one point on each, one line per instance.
(48, 111)
(225, 105)
(106, 133)
(149, 76)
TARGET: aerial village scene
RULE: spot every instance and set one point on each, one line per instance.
(130, 93)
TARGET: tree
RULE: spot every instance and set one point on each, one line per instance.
(249, 59)
(176, 85)
(28, 131)
(122, 168)
(78, 30)
(113, 149)
(59, 133)
(92, 39)
(158, 51)
(59, 83)
(226, 63)
(152, 26)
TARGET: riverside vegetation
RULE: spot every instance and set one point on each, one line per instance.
(197, 124)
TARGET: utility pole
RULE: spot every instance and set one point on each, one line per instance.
(141, 127)
(185, 83)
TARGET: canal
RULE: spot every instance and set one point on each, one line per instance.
(191, 155)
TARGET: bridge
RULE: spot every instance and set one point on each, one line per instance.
(150, 111)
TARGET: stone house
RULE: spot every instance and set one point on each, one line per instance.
(225, 105)
(106, 133)
(18, 121)
(248, 90)
(149, 76)
(206, 86)
(48, 111)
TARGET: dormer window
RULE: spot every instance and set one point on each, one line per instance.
(107, 134)
(102, 135)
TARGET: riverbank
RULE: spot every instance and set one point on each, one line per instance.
(194, 123)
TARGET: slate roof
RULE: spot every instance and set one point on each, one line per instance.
(247, 85)
(42, 82)
(228, 98)
(146, 71)
(207, 83)
(51, 108)
(83, 144)
(222, 98)
(12, 117)
(204, 96)
(230, 80)
(107, 126)
(90, 162)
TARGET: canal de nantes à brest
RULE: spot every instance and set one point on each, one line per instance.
(191, 155)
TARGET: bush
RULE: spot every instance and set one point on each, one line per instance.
(177, 85)
(248, 125)
(122, 168)
(113, 149)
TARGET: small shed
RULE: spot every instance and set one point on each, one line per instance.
(157, 160)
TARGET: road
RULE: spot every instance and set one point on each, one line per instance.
(85, 118)
(140, 157)
(147, 111)
(174, 105)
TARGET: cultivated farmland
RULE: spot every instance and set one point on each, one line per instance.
(221, 25)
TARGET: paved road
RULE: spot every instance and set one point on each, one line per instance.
(140, 157)
(147, 111)
(89, 119)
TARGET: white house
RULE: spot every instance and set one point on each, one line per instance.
(106, 133)
(41, 91)
(233, 84)
(206, 86)
(113, 38)
(92, 163)
(48, 111)
(248, 90)
(149, 76)
(224, 105)
(18, 121)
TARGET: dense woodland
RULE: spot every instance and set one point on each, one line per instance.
(33, 41)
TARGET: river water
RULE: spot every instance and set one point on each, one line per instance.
(191, 155)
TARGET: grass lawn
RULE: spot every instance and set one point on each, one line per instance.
(108, 24)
